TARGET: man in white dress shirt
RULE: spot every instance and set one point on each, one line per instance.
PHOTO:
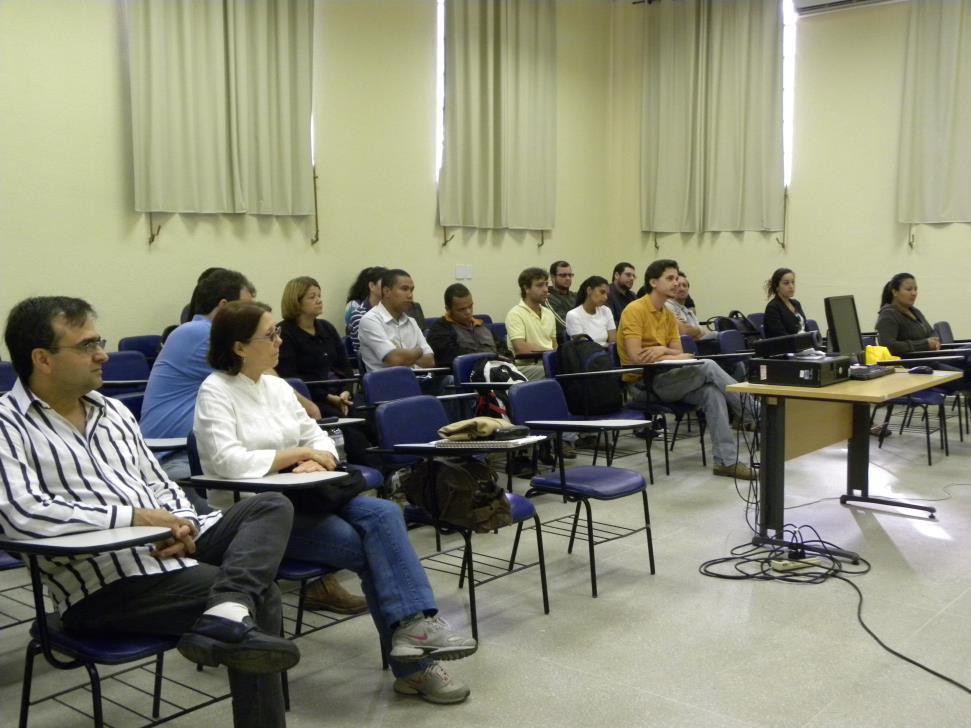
(389, 337)
(72, 460)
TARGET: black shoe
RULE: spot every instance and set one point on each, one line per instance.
(237, 645)
(569, 451)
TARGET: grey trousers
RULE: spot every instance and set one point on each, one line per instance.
(238, 558)
(716, 403)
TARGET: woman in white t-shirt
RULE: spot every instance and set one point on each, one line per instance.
(591, 316)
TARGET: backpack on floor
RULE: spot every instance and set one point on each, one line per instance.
(465, 494)
(589, 395)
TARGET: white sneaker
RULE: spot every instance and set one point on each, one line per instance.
(432, 637)
(433, 684)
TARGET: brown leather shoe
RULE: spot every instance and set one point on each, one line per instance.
(740, 471)
(327, 593)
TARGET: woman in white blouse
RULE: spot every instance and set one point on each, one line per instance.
(591, 316)
(249, 424)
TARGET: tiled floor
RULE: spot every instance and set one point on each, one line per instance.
(676, 648)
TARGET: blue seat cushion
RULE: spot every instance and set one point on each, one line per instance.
(9, 562)
(295, 569)
(593, 481)
(520, 507)
(108, 649)
(372, 477)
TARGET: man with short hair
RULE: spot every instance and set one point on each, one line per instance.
(169, 404)
(530, 325)
(531, 329)
(620, 293)
(649, 334)
(460, 332)
(181, 367)
(388, 336)
(688, 323)
(561, 299)
(72, 460)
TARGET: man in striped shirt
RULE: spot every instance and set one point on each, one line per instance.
(72, 460)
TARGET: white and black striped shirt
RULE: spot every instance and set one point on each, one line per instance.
(56, 481)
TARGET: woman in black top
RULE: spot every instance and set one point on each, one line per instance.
(901, 327)
(313, 350)
(783, 314)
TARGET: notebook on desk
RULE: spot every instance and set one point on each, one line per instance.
(489, 444)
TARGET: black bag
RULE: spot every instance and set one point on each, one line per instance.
(739, 322)
(491, 403)
(589, 395)
(328, 497)
(465, 494)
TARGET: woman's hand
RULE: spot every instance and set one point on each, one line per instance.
(341, 402)
(934, 343)
(322, 458)
(308, 466)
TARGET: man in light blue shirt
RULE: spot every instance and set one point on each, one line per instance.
(182, 366)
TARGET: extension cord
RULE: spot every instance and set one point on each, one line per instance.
(793, 564)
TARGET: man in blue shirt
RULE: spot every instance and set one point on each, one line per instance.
(182, 366)
(170, 401)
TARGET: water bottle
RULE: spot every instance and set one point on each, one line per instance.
(338, 437)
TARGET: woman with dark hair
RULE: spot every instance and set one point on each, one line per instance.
(901, 327)
(783, 314)
(370, 297)
(249, 424)
(312, 350)
(591, 315)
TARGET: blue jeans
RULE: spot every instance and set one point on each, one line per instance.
(369, 537)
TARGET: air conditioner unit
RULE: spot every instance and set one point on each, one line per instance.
(810, 7)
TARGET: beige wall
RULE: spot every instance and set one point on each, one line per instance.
(842, 234)
(66, 220)
(66, 223)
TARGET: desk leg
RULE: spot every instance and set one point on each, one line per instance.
(858, 467)
(772, 483)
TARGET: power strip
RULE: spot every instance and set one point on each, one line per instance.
(794, 564)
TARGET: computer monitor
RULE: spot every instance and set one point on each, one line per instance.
(844, 326)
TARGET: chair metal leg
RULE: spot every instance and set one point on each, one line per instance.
(285, 684)
(542, 563)
(301, 598)
(95, 679)
(701, 440)
(647, 529)
(157, 693)
(667, 461)
(590, 547)
(33, 649)
(886, 426)
(650, 460)
(674, 435)
(468, 565)
(573, 531)
(515, 546)
(927, 436)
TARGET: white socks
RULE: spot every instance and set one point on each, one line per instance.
(233, 611)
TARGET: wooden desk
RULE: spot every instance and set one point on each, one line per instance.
(800, 420)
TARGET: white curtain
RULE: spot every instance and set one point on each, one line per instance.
(499, 161)
(711, 125)
(934, 174)
(221, 104)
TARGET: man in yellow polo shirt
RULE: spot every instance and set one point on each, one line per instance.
(530, 325)
(648, 333)
(531, 330)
